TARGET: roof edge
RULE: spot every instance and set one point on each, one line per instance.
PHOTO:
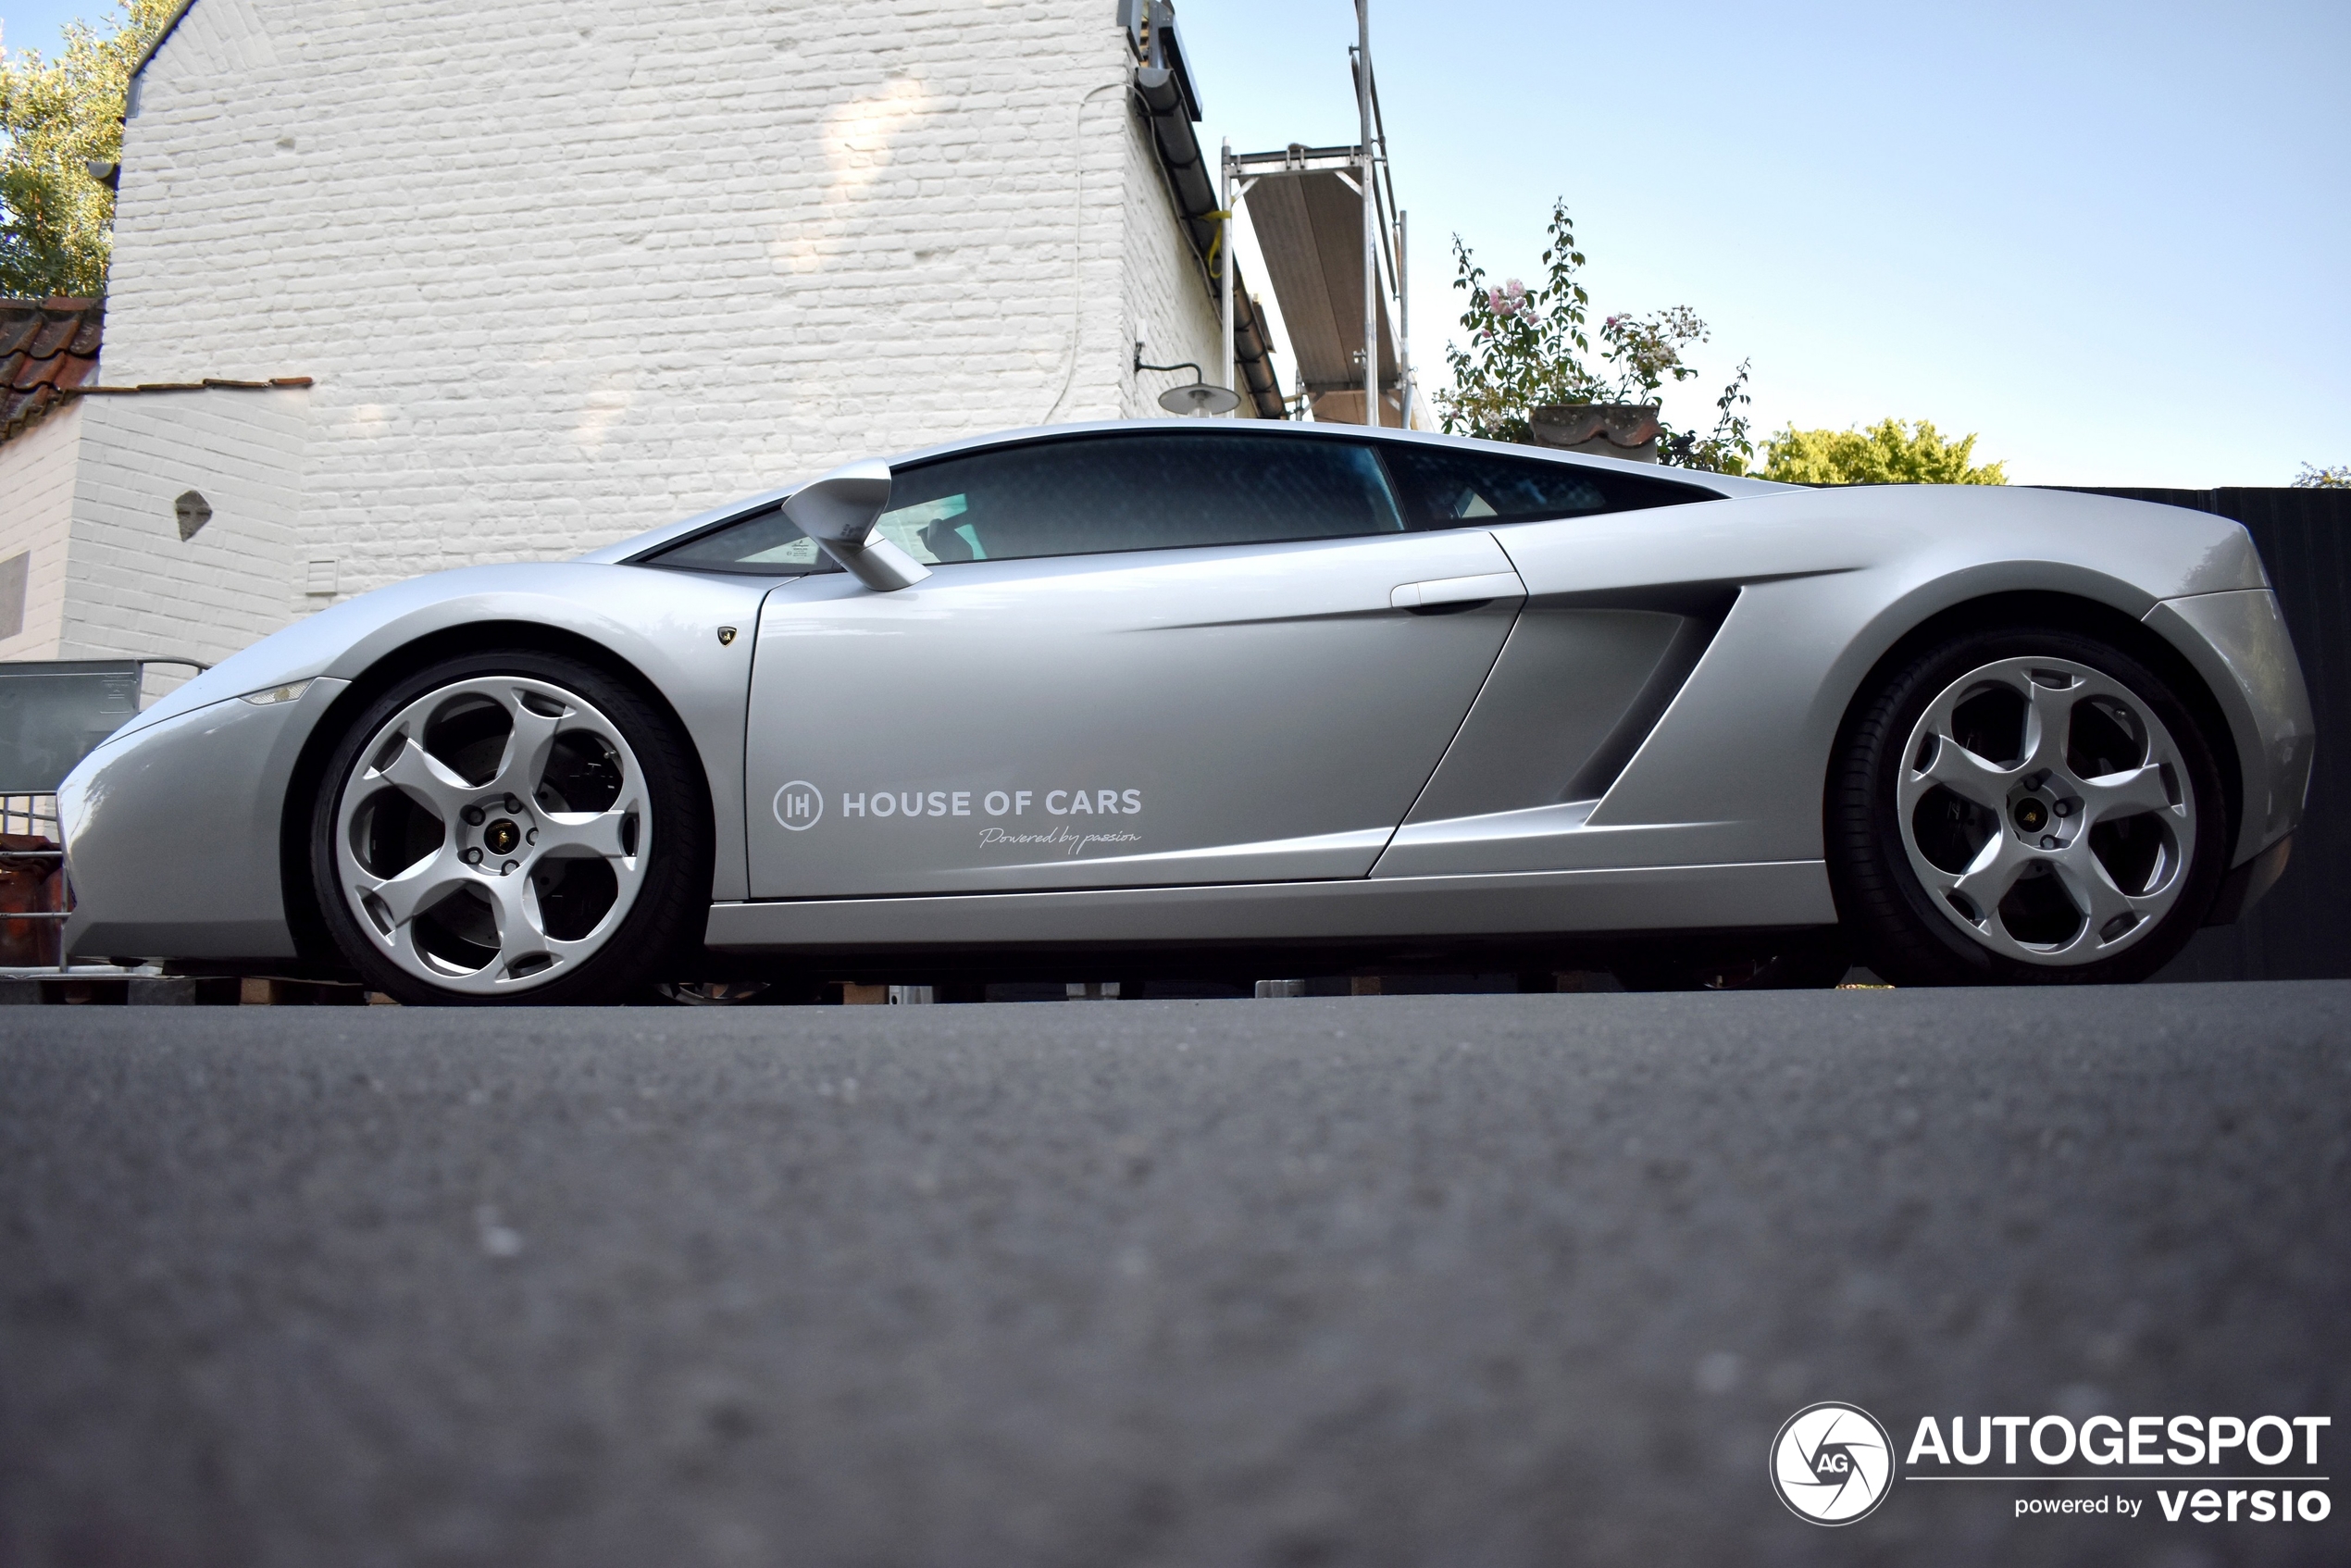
(162, 36)
(34, 412)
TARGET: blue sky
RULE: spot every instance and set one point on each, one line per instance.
(37, 24)
(2111, 238)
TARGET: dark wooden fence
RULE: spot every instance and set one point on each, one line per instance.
(2303, 930)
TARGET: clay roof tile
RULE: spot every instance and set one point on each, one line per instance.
(46, 345)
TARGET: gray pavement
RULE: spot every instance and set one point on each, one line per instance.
(1433, 1280)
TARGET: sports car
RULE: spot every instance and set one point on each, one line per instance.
(1203, 697)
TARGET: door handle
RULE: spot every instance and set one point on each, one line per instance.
(1461, 590)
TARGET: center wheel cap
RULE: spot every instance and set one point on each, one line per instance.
(2030, 816)
(502, 836)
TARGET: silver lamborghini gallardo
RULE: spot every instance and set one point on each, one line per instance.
(1207, 697)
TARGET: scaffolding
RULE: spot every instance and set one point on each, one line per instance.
(1334, 242)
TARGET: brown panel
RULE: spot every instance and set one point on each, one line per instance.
(1310, 228)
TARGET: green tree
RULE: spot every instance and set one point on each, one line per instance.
(2313, 477)
(57, 221)
(1527, 348)
(1890, 452)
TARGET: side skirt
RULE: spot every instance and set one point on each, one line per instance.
(1770, 893)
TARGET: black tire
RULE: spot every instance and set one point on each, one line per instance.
(1892, 920)
(654, 938)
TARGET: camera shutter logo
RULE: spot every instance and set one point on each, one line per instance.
(800, 805)
(1832, 1463)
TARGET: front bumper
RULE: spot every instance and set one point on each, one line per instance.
(173, 833)
(2238, 642)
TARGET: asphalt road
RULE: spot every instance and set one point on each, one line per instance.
(1433, 1280)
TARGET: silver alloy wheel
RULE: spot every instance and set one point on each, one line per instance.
(2046, 810)
(492, 834)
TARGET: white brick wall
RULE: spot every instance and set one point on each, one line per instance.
(1168, 306)
(133, 587)
(37, 467)
(566, 272)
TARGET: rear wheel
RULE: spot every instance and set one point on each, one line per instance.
(511, 825)
(2023, 805)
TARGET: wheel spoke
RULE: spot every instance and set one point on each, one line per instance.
(2125, 794)
(1988, 881)
(1961, 772)
(585, 833)
(2047, 721)
(427, 780)
(521, 932)
(416, 890)
(522, 929)
(528, 747)
(2093, 891)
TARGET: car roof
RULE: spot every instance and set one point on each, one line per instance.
(1726, 485)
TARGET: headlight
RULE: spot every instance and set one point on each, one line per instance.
(286, 694)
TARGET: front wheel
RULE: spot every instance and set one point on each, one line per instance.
(2023, 805)
(511, 826)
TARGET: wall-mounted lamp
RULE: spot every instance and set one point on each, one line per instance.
(1200, 398)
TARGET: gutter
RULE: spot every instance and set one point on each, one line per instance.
(1167, 105)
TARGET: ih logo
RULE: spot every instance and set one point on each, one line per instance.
(800, 805)
(1832, 1463)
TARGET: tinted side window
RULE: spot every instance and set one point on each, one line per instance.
(763, 544)
(1090, 494)
(1158, 491)
(1442, 488)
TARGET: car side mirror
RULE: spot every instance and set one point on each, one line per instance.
(838, 511)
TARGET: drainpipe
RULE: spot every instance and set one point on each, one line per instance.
(1403, 323)
(1224, 257)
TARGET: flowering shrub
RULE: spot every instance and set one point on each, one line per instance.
(2336, 478)
(1527, 348)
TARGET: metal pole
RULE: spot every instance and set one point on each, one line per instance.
(1371, 213)
(1224, 284)
(1404, 324)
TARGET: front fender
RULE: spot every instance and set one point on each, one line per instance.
(137, 834)
(2238, 642)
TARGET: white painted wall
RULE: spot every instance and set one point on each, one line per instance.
(37, 467)
(1169, 309)
(562, 273)
(133, 588)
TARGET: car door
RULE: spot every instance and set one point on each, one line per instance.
(1140, 658)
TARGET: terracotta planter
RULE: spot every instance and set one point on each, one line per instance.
(1599, 429)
